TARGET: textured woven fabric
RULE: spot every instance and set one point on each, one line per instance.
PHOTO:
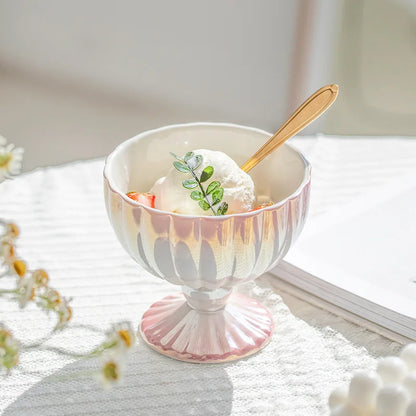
(64, 229)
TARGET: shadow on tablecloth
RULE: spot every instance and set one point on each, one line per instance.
(375, 344)
(153, 385)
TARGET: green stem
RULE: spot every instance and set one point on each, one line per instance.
(61, 351)
(89, 327)
(42, 340)
(201, 188)
(39, 343)
(99, 350)
(8, 291)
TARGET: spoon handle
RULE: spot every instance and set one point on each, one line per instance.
(310, 110)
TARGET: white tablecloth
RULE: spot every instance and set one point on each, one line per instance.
(64, 229)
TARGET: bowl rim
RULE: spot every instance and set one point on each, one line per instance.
(306, 177)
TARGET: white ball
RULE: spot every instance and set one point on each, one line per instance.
(408, 355)
(392, 400)
(411, 409)
(392, 370)
(338, 397)
(346, 410)
(364, 387)
(409, 383)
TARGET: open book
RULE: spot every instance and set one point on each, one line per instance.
(360, 261)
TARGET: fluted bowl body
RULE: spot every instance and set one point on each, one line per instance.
(202, 252)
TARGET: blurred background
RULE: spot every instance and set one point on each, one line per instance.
(78, 77)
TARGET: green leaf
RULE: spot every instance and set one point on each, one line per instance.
(195, 162)
(190, 183)
(181, 167)
(198, 161)
(176, 157)
(222, 209)
(204, 205)
(188, 156)
(206, 173)
(212, 187)
(217, 196)
(196, 195)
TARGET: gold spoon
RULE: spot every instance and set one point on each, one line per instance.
(310, 110)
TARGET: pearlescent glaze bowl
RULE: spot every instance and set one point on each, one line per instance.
(206, 256)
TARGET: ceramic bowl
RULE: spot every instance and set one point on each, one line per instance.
(206, 256)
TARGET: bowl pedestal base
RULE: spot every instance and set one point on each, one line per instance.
(207, 326)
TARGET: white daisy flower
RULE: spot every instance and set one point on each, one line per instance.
(64, 312)
(10, 232)
(121, 337)
(9, 350)
(112, 371)
(40, 277)
(10, 160)
(7, 253)
(25, 290)
(48, 298)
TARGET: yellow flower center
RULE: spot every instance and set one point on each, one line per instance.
(14, 231)
(5, 159)
(125, 336)
(110, 371)
(4, 334)
(19, 267)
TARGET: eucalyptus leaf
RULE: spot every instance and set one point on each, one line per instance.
(196, 195)
(212, 187)
(188, 156)
(198, 161)
(222, 209)
(189, 164)
(181, 167)
(195, 162)
(176, 157)
(217, 196)
(206, 173)
(204, 205)
(190, 183)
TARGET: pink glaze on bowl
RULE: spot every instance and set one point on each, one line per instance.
(241, 328)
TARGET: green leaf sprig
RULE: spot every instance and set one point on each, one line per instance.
(207, 198)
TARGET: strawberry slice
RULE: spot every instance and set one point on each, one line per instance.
(266, 204)
(145, 199)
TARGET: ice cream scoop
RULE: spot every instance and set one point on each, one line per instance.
(171, 195)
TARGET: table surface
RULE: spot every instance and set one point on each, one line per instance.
(64, 229)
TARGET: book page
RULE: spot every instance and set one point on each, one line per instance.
(367, 247)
